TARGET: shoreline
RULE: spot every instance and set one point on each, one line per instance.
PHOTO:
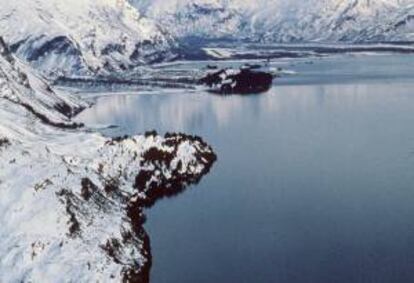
(80, 195)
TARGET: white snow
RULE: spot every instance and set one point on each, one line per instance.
(59, 221)
(218, 53)
(81, 36)
(88, 37)
(286, 21)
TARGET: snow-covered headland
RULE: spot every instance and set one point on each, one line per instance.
(72, 200)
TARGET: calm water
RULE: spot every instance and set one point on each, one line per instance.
(314, 182)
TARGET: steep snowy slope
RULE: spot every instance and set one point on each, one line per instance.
(287, 21)
(195, 18)
(110, 36)
(72, 201)
(21, 86)
(81, 36)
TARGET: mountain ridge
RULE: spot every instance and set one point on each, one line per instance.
(293, 21)
(109, 37)
(82, 37)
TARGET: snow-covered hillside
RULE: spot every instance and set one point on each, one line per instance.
(286, 21)
(81, 37)
(72, 200)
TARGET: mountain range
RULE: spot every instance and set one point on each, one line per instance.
(286, 21)
(82, 37)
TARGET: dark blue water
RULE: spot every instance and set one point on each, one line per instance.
(314, 182)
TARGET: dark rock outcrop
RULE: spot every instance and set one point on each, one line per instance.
(243, 81)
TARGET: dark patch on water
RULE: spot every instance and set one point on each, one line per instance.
(246, 81)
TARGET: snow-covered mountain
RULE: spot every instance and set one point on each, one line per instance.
(286, 21)
(72, 200)
(81, 36)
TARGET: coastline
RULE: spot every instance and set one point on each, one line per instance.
(75, 211)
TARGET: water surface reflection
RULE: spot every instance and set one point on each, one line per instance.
(314, 181)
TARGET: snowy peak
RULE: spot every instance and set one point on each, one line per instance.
(206, 18)
(106, 37)
(81, 37)
(288, 21)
